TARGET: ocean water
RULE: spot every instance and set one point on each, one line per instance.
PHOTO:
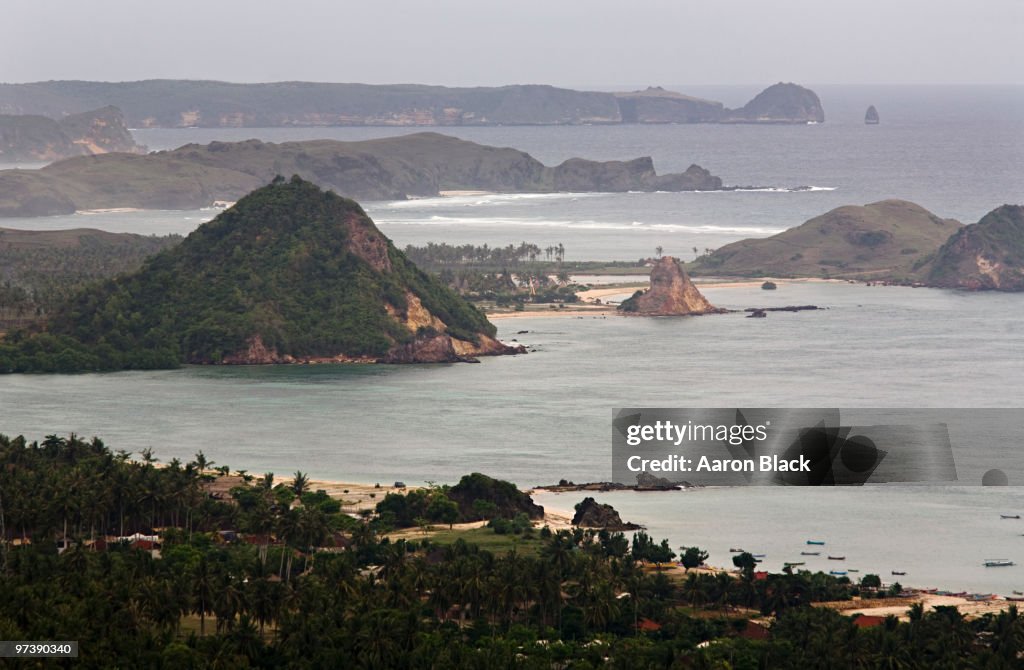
(958, 151)
(534, 419)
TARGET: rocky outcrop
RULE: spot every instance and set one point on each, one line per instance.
(577, 174)
(439, 347)
(38, 138)
(592, 514)
(871, 116)
(476, 491)
(987, 255)
(671, 294)
(779, 103)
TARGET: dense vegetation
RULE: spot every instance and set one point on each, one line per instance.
(302, 269)
(40, 273)
(289, 585)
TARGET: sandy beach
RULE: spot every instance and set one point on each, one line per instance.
(590, 307)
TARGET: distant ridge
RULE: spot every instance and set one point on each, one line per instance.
(176, 103)
(419, 164)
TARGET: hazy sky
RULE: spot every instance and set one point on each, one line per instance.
(589, 43)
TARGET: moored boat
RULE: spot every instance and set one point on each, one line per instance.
(837, 558)
(815, 542)
(1009, 516)
(998, 563)
(810, 553)
(899, 573)
(837, 573)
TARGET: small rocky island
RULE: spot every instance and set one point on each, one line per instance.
(671, 294)
(871, 116)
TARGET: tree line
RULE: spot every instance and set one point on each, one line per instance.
(285, 597)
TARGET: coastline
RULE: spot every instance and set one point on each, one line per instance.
(590, 307)
(356, 497)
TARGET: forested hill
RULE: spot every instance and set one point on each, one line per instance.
(290, 274)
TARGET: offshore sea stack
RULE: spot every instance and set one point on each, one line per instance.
(671, 294)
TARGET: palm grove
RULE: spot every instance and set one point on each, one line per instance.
(312, 587)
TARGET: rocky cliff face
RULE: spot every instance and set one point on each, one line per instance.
(987, 255)
(38, 138)
(577, 174)
(780, 103)
(671, 294)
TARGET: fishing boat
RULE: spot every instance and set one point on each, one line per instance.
(793, 565)
(810, 553)
(759, 555)
(898, 573)
(837, 573)
(735, 551)
(1015, 599)
(837, 558)
(998, 563)
(853, 569)
(819, 542)
(1009, 516)
(1018, 593)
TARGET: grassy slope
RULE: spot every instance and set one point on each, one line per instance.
(883, 240)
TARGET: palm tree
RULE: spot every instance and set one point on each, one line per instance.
(300, 483)
(203, 592)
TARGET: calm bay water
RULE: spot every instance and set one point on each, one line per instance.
(535, 419)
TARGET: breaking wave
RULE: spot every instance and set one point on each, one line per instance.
(572, 224)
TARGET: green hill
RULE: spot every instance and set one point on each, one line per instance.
(988, 254)
(291, 273)
(884, 240)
